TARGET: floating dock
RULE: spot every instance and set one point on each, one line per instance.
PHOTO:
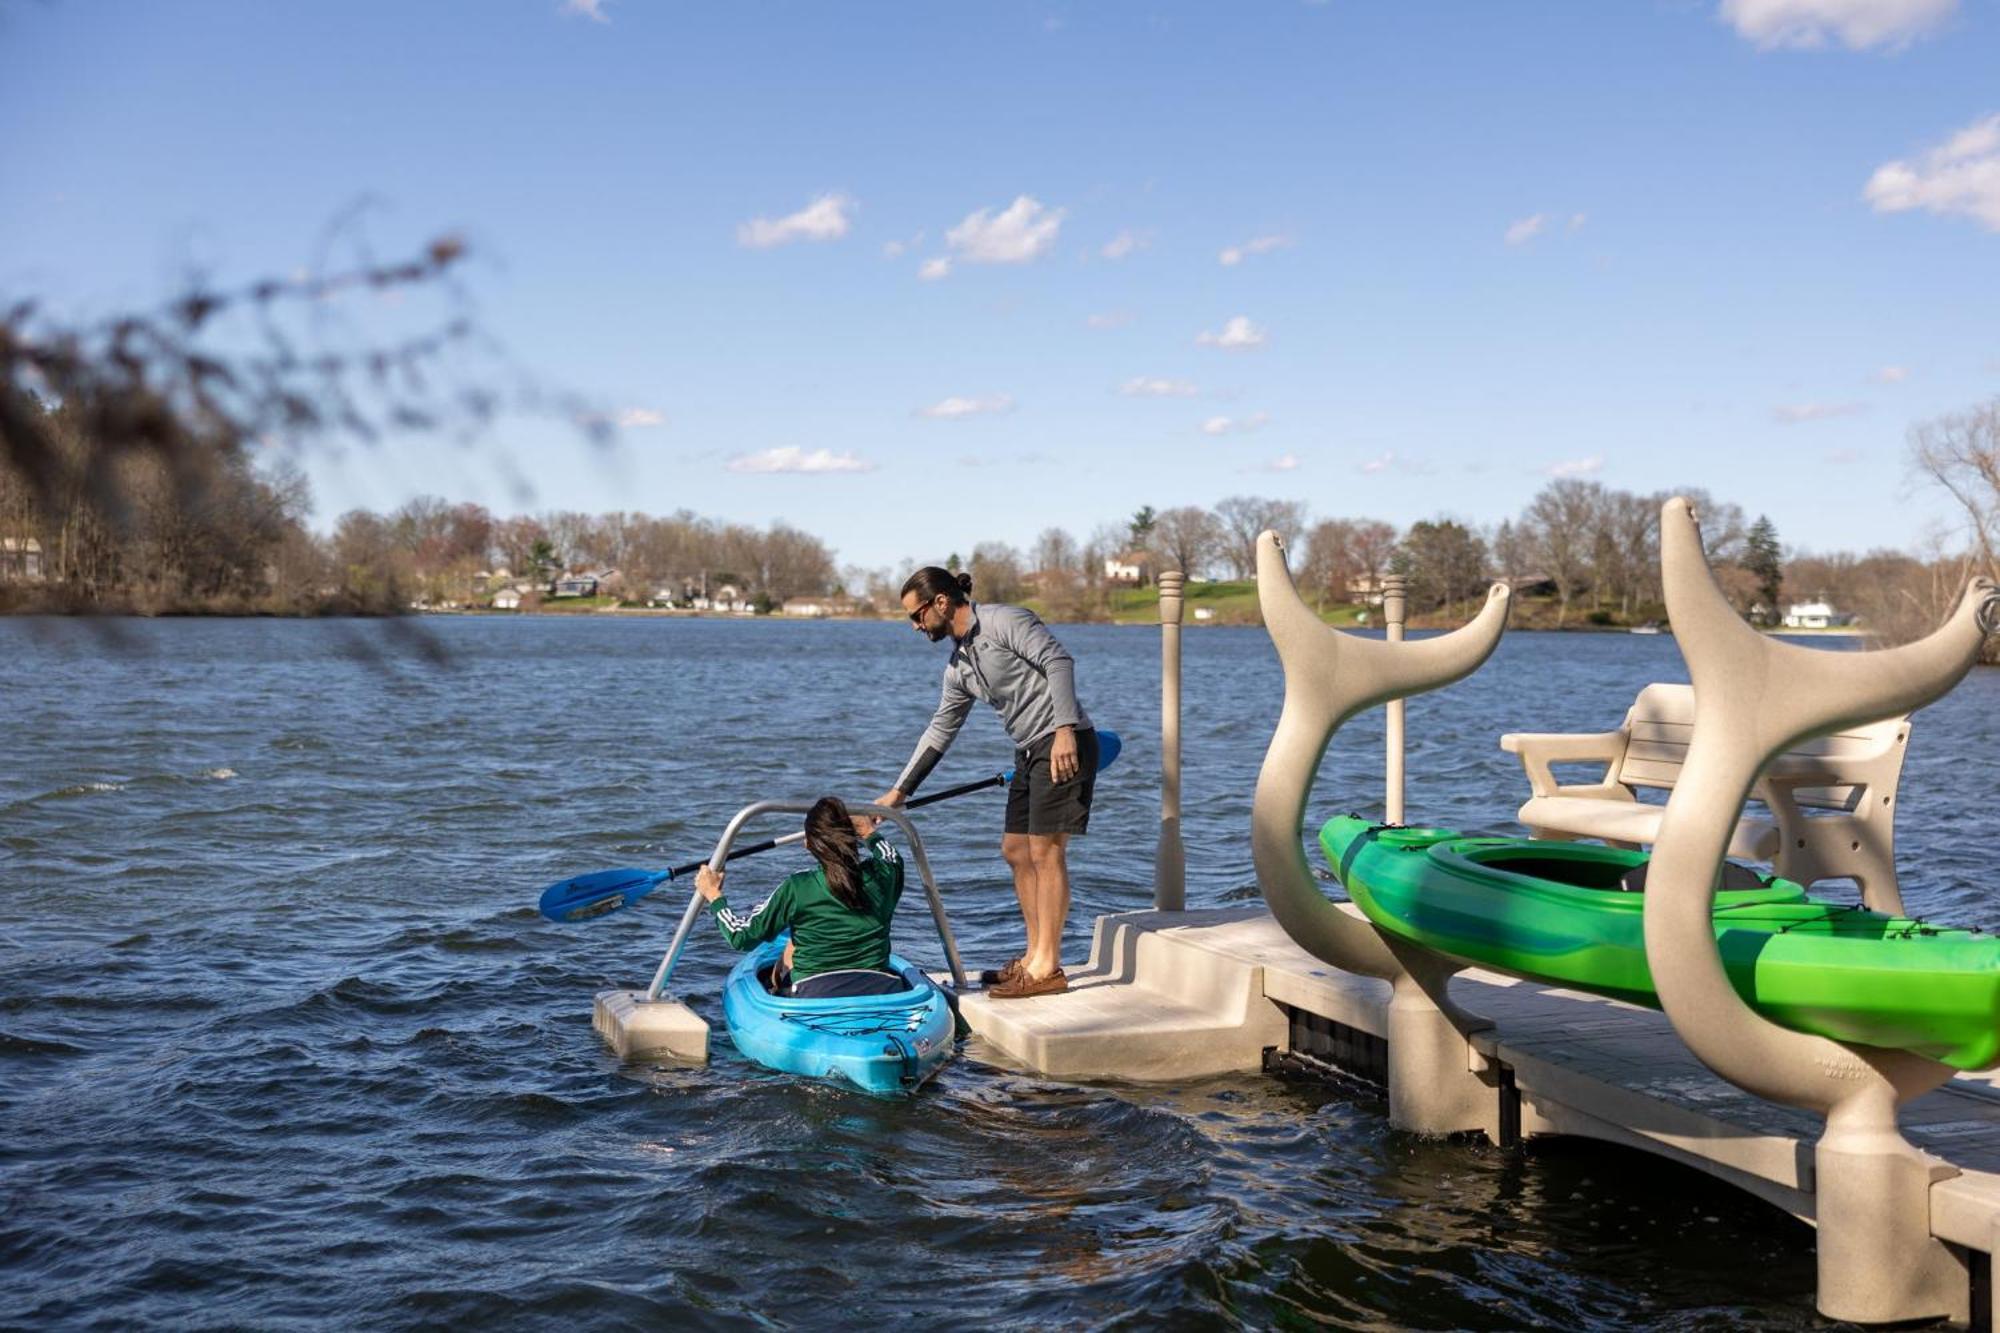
(1177, 995)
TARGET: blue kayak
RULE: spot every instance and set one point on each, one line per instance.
(882, 1044)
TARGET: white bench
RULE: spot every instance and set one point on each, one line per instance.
(1848, 780)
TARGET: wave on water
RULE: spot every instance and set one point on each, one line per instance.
(10, 1044)
(83, 789)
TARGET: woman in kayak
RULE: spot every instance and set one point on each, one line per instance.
(838, 912)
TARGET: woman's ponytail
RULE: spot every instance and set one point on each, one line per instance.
(831, 838)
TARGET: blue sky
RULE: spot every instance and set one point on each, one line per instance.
(910, 276)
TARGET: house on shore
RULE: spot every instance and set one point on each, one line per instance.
(727, 598)
(1814, 615)
(818, 607)
(20, 560)
(588, 583)
(1128, 569)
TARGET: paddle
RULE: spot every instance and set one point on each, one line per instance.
(605, 891)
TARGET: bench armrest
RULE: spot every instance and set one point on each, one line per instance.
(1540, 749)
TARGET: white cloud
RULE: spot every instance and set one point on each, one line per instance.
(824, 219)
(934, 269)
(957, 408)
(1791, 414)
(1111, 319)
(633, 418)
(1239, 334)
(1576, 467)
(1123, 244)
(1256, 245)
(1282, 463)
(1842, 457)
(1024, 231)
(1892, 375)
(1235, 425)
(589, 9)
(1140, 386)
(791, 458)
(1576, 221)
(1961, 175)
(1526, 229)
(1857, 24)
(1381, 463)
(897, 249)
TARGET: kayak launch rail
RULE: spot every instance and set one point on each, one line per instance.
(755, 809)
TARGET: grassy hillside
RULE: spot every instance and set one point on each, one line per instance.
(1234, 602)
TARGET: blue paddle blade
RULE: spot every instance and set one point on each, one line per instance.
(1108, 746)
(598, 893)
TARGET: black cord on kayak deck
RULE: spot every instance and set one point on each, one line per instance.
(855, 1021)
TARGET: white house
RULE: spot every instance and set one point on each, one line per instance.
(1127, 568)
(1814, 615)
(818, 607)
(20, 560)
(507, 599)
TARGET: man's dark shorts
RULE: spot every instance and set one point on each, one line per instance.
(1037, 803)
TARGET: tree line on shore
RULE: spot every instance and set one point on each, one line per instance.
(229, 537)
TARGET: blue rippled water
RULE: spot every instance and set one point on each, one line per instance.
(284, 1042)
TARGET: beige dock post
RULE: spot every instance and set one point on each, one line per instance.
(1170, 860)
(1755, 697)
(1394, 604)
(1329, 677)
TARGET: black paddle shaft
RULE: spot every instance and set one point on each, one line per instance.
(996, 780)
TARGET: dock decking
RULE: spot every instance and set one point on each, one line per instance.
(1183, 994)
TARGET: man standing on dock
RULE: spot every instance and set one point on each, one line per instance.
(1006, 656)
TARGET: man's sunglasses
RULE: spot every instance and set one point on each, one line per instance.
(917, 616)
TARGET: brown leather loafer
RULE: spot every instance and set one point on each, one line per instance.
(1024, 987)
(993, 976)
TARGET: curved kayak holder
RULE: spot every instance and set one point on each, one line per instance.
(1754, 698)
(639, 1024)
(1329, 677)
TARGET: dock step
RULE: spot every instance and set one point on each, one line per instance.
(1159, 999)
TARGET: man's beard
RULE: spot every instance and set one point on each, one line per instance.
(939, 630)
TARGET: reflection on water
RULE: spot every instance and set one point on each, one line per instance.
(282, 1037)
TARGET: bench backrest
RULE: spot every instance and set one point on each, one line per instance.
(1661, 722)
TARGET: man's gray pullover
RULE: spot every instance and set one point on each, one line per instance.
(1009, 659)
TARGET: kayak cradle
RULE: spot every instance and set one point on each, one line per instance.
(1568, 914)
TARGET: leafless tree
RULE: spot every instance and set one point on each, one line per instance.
(1562, 522)
(1960, 453)
(1243, 517)
(1373, 544)
(996, 572)
(1329, 567)
(1187, 539)
(1723, 527)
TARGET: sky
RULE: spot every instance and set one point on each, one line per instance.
(914, 276)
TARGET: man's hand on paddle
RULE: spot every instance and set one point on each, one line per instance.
(1062, 755)
(708, 882)
(867, 824)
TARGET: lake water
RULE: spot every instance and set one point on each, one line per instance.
(284, 1041)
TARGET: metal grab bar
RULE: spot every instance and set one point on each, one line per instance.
(894, 815)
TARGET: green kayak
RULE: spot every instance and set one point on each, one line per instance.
(1571, 914)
